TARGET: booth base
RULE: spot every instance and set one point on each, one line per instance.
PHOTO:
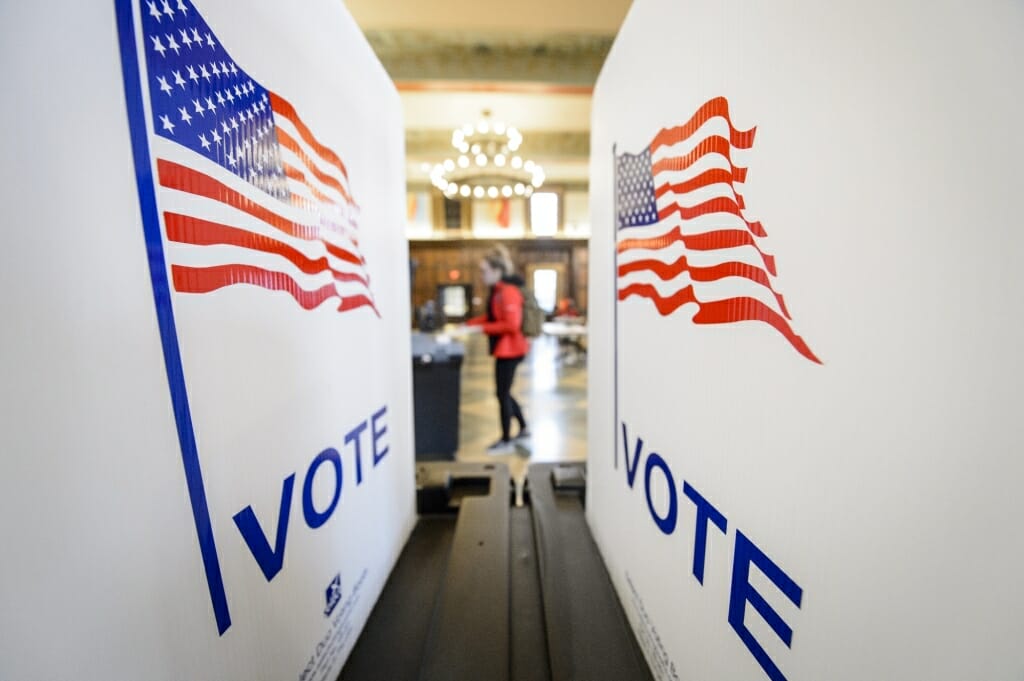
(488, 590)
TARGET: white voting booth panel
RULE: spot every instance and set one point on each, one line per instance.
(207, 465)
(805, 440)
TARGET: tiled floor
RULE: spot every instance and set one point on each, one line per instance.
(551, 387)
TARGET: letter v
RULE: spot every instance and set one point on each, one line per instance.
(269, 560)
(631, 469)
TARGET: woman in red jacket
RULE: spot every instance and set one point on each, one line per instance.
(503, 326)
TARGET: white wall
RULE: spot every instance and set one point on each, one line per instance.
(102, 575)
(884, 482)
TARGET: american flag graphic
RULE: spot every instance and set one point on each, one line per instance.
(684, 235)
(249, 196)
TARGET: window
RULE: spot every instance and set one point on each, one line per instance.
(544, 213)
(454, 301)
(576, 213)
(452, 213)
(545, 288)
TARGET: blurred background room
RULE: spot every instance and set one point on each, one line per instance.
(497, 107)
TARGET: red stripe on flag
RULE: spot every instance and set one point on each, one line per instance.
(705, 179)
(720, 312)
(176, 176)
(352, 302)
(283, 107)
(665, 305)
(289, 143)
(207, 279)
(721, 204)
(189, 230)
(751, 309)
(666, 272)
(709, 241)
(711, 145)
(719, 106)
(300, 177)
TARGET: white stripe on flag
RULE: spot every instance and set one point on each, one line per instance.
(211, 256)
(747, 255)
(321, 164)
(716, 125)
(740, 157)
(332, 193)
(706, 292)
(216, 211)
(702, 224)
(694, 197)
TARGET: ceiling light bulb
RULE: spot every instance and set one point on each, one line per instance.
(449, 165)
(537, 181)
(492, 192)
(464, 190)
(517, 162)
(464, 147)
(478, 192)
(528, 166)
(513, 133)
(467, 129)
(529, 190)
(513, 144)
(482, 127)
(519, 188)
(463, 161)
(481, 160)
(506, 191)
(499, 160)
(499, 128)
(451, 189)
(475, 148)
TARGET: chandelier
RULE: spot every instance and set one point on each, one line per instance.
(487, 163)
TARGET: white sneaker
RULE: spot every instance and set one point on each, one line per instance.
(502, 447)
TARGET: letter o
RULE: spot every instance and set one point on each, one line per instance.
(316, 518)
(668, 523)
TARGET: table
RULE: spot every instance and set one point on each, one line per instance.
(571, 333)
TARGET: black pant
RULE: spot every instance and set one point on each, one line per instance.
(504, 372)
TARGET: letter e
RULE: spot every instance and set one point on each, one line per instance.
(376, 434)
(742, 592)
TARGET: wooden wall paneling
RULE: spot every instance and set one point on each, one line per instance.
(437, 259)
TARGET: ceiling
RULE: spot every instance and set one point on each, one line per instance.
(533, 68)
(528, 111)
(537, 16)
